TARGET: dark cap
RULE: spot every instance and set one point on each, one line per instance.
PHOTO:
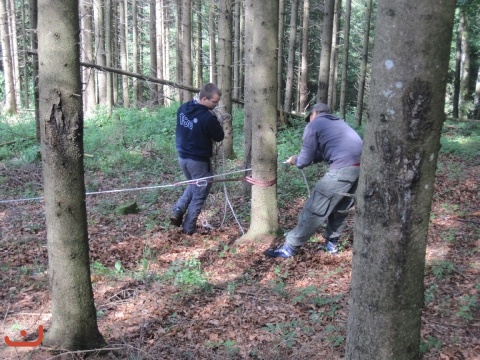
(318, 107)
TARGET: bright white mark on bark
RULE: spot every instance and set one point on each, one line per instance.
(389, 64)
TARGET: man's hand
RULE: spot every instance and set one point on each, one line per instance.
(292, 160)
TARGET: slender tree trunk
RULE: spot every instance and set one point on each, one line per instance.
(213, 46)
(464, 68)
(401, 144)
(198, 50)
(324, 68)
(74, 320)
(187, 46)
(261, 99)
(108, 55)
(10, 106)
(291, 56)
(224, 63)
(99, 20)
(332, 88)
(153, 51)
(86, 14)
(26, 96)
(135, 53)
(363, 65)
(123, 51)
(476, 111)
(457, 73)
(303, 102)
(346, 48)
(166, 50)
(33, 35)
(281, 30)
(15, 53)
(160, 50)
(236, 50)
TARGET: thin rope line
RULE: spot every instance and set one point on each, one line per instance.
(198, 182)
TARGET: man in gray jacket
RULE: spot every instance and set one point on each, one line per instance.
(330, 139)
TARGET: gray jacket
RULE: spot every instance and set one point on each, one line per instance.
(330, 139)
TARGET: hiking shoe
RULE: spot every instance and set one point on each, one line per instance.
(331, 248)
(282, 251)
(176, 217)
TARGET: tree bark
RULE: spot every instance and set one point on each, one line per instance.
(10, 106)
(476, 104)
(464, 68)
(15, 53)
(291, 56)
(363, 65)
(199, 44)
(135, 53)
(99, 20)
(346, 49)
(26, 98)
(261, 100)
(187, 77)
(332, 88)
(401, 144)
(123, 50)
(160, 50)
(324, 68)
(303, 102)
(74, 322)
(236, 49)
(86, 14)
(225, 25)
(213, 46)
(33, 26)
(108, 56)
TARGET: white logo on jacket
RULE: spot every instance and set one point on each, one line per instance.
(186, 122)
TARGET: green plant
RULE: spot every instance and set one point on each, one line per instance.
(288, 332)
(334, 337)
(187, 273)
(441, 268)
(431, 342)
(465, 305)
(430, 293)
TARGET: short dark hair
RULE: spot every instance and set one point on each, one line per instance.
(208, 90)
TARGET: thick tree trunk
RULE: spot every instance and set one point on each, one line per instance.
(291, 56)
(324, 68)
(401, 144)
(363, 65)
(74, 323)
(261, 99)
(224, 63)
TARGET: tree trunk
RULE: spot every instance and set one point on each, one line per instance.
(464, 69)
(401, 144)
(160, 50)
(332, 88)
(15, 53)
(363, 66)
(261, 99)
(213, 47)
(187, 45)
(198, 50)
(346, 48)
(10, 106)
(74, 322)
(33, 36)
(25, 82)
(236, 50)
(458, 66)
(108, 55)
(135, 53)
(291, 56)
(476, 104)
(281, 30)
(99, 20)
(86, 14)
(153, 51)
(123, 51)
(224, 64)
(303, 102)
(324, 68)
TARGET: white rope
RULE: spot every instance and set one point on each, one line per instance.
(199, 182)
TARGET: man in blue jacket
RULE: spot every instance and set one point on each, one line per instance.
(330, 139)
(197, 127)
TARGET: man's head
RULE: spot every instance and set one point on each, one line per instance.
(318, 108)
(209, 95)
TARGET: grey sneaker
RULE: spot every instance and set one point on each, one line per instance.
(331, 248)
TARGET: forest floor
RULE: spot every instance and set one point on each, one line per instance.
(160, 294)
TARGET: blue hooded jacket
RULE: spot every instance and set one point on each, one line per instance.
(197, 126)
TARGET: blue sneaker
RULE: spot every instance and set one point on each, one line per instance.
(282, 251)
(331, 248)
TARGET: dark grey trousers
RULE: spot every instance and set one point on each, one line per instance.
(322, 205)
(194, 196)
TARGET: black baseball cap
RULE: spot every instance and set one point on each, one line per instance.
(318, 107)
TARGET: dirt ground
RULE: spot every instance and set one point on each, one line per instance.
(160, 294)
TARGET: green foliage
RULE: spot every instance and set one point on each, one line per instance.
(466, 304)
(187, 273)
(431, 342)
(461, 139)
(441, 268)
